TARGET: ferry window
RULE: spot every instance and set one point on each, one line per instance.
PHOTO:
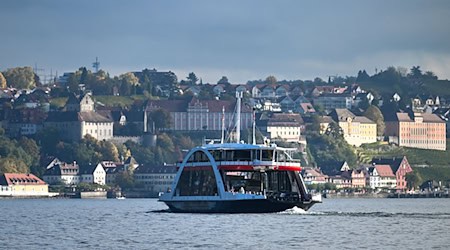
(280, 156)
(256, 155)
(198, 156)
(279, 181)
(217, 155)
(267, 155)
(242, 155)
(197, 181)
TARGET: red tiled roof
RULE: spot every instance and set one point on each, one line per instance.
(384, 170)
(20, 179)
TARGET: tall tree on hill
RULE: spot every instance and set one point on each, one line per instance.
(271, 80)
(416, 72)
(223, 80)
(362, 76)
(20, 77)
(192, 78)
(374, 114)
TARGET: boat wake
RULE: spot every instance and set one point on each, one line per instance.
(299, 211)
(294, 210)
(159, 211)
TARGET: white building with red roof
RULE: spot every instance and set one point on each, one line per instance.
(22, 185)
(382, 177)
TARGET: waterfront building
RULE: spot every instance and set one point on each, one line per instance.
(22, 185)
(155, 179)
(62, 173)
(400, 166)
(358, 178)
(417, 130)
(382, 177)
(313, 176)
(94, 174)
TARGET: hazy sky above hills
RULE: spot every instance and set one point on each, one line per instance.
(244, 40)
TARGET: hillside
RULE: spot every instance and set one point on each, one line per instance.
(417, 157)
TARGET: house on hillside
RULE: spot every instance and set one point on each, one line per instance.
(198, 115)
(281, 126)
(357, 130)
(80, 119)
(417, 130)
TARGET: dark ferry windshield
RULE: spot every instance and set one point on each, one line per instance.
(258, 182)
(241, 155)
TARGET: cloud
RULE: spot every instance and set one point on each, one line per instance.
(243, 40)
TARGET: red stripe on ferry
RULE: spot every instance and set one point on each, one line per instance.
(249, 168)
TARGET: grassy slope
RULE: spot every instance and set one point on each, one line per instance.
(415, 156)
(438, 161)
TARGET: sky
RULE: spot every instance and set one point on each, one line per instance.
(243, 40)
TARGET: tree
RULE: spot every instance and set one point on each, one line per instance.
(192, 78)
(416, 72)
(125, 88)
(125, 180)
(129, 78)
(223, 80)
(109, 151)
(3, 83)
(31, 148)
(271, 80)
(374, 114)
(20, 77)
(413, 180)
(362, 76)
(161, 118)
(84, 75)
(334, 131)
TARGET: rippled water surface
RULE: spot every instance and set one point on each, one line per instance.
(145, 224)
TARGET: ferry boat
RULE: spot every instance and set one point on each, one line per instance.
(238, 178)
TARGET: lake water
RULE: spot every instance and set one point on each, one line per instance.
(144, 224)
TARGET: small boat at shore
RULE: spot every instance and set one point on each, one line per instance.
(238, 178)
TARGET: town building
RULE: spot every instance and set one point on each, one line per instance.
(79, 120)
(94, 174)
(155, 179)
(400, 166)
(281, 126)
(382, 177)
(22, 185)
(197, 115)
(62, 173)
(333, 101)
(356, 130)
(314, 176)
(417, 130)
